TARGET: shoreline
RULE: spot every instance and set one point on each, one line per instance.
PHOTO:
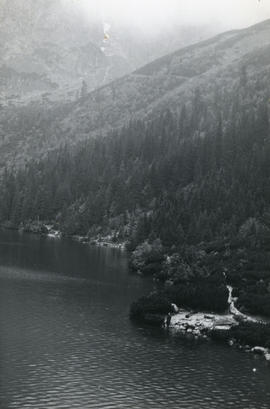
(205, 325)
(189, 323)
(49, 231)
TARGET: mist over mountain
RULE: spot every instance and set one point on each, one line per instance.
(212, 67)
(47, 49)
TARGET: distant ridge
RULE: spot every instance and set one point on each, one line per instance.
(213, 67)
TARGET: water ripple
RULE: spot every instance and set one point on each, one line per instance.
(71, 345)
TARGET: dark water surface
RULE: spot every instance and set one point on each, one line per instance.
(66, 341)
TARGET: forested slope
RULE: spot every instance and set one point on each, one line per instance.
(212, 66)
(167, 189)
(187, 187)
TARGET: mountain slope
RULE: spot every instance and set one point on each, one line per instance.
(212, 66)
(187, 185)
(48, 47)
(207, 72)
(204, 202)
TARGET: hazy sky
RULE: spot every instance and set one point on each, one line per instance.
(156, 14)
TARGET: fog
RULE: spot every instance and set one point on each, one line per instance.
(155, 15)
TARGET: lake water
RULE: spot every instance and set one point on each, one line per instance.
(66, 340)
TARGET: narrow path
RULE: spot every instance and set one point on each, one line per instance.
(233, 310)
(236, 313)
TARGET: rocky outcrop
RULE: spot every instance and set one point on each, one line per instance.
(233, 327)
(198, 323)
(201, 323)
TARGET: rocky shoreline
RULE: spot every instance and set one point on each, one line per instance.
(187, 322)
(49, 230)
(204, 325)
(199, 323)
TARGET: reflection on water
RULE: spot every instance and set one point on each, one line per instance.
(66, 341)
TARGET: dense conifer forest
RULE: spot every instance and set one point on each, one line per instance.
(134, 204)
(188, 192)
